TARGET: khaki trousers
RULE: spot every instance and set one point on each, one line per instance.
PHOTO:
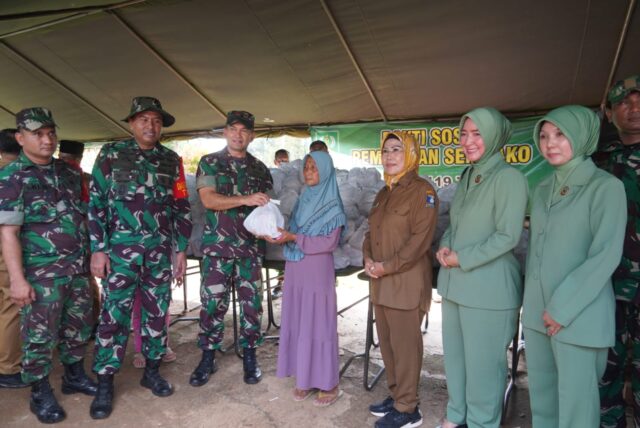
(401, 347)
(10, 344)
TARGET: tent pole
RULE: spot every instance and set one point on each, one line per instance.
(616, 58)
(167, 64)
(3, 108)
(346, 46)
(61, 85)
(87, 12)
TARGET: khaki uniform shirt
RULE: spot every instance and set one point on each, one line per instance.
(402, 222)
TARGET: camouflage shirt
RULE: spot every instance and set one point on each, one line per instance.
(45, 201)
(3, 266)
(224, 232)
(134, 203)
(623, 161)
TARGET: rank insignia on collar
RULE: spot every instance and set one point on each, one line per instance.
(478, 178)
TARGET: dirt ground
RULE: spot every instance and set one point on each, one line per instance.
(227, 401)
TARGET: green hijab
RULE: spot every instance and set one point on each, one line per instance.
(494, 128)
(581, 126)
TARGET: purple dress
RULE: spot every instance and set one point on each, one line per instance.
(309, 330)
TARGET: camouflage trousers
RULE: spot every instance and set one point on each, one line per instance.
(612, 403)
(61, 314)
(217, 276)
(153, 278)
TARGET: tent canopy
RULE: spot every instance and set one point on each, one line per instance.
(305, 62)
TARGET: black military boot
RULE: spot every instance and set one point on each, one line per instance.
(151, 379)
(252, 372)
(206, 367)
(44, 404)
(102, 404)
(76, 380)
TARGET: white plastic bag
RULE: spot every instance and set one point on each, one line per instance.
(265, 220)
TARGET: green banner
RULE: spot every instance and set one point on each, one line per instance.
(441, 157)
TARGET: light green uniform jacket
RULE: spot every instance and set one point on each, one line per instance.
(487, 215)
(575, 245)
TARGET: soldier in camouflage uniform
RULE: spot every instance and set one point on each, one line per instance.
(231, 183)
(622, 159)
(138, 215)
(44, 241)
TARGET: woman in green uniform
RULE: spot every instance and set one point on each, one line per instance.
(480, 280)
(578, 218)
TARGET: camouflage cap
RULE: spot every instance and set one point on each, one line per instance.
(622, 88)
(34, 118)
(142, 104)
(244, 117)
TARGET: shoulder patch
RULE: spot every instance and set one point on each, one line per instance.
(430, 199)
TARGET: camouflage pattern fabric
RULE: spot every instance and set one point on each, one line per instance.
(142, 104)
(154, 280)
(624, 162)
(3, 266)
(612, 403)
(138, 214)
(34, 118)
(224, 233)
(63, 313)
(45, 202)
(132, 207)
(217, 275)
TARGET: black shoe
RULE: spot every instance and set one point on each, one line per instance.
(252, 372)
(12, 381)
(44, 404)
(76, 380)
(151, 379)
(206, 367)
(102, 404)
(396, 419)
(382, 408)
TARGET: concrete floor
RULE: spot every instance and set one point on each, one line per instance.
(227, 401)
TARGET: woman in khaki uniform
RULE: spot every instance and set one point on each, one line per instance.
(578, 218)
(397, 258)
(480, 280)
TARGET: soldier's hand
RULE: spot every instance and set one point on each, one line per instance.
(180, 268)
(22, 293)
(100, 264)
(256, 199)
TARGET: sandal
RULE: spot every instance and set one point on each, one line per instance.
(169, 356)
(303, 394)
(327, 398)
(138, 361)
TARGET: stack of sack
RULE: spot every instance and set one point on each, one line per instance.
(358, 188)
